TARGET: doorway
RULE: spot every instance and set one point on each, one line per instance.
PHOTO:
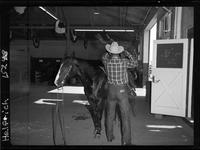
(153, 32)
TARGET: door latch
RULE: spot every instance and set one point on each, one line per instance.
(154, 80)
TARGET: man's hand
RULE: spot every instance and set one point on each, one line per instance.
(126, 53)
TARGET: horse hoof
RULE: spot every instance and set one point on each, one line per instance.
(97, 136)
(97, 133)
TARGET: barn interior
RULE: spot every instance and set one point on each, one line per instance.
(40, 37)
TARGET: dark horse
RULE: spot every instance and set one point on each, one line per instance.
(94, 80)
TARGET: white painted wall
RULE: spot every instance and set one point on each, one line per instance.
(146, 46)
(177, 22)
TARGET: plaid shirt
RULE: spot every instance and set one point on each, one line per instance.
(116, 68)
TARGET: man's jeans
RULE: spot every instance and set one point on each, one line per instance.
(118, 94)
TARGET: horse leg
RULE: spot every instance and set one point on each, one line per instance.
(93, 115)
(96, 113)
(99, 114)
(97, 131)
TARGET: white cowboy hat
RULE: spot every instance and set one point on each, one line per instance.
(114, 48)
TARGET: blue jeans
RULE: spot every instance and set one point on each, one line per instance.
(118, 94)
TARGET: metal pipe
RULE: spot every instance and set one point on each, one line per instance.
(76, 27)
(48, 12)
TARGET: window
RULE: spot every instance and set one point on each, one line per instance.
(165, 26)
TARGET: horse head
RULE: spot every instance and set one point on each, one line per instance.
(68, 69)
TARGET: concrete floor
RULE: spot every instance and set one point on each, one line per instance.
(31, 123)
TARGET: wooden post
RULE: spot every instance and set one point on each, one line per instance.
(67, 32)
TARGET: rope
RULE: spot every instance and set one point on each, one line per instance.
(62, 120)
(57, 114)
(54, 120)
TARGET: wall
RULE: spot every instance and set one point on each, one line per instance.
(188, 23)
(56, 49)
(19, 71)
(187, 20)
(160, 18)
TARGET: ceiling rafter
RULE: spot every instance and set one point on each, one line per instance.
(109, 18)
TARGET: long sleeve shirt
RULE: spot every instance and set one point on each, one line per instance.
(116, 68)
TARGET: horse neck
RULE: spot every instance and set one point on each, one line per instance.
(84, 79)
(92, 78)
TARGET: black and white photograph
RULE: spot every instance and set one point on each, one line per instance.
(99, 76)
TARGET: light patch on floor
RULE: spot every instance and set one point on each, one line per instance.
(164, 126)
(69, 90)
(44, 101)
(80, 90)
(155, 130)
(192, 121)
(84, 102)
(140, 91)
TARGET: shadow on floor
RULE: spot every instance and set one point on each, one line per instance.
(31, 124)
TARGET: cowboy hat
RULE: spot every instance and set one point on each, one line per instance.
(114, 48)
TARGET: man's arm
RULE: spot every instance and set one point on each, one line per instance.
(132, 62)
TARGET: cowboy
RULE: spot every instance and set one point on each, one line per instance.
(117, 76)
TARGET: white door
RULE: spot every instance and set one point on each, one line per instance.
(169, 70)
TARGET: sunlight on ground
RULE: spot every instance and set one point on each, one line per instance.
(192, 121)
(85, 102)
(47, 101)
(164, 126)
(69, 90)
(80, 90)
(155, 130)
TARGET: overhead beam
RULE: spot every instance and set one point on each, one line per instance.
(79, 27)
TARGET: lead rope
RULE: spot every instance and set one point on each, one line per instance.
(62, 120)
(57, 114)
(54, 119)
